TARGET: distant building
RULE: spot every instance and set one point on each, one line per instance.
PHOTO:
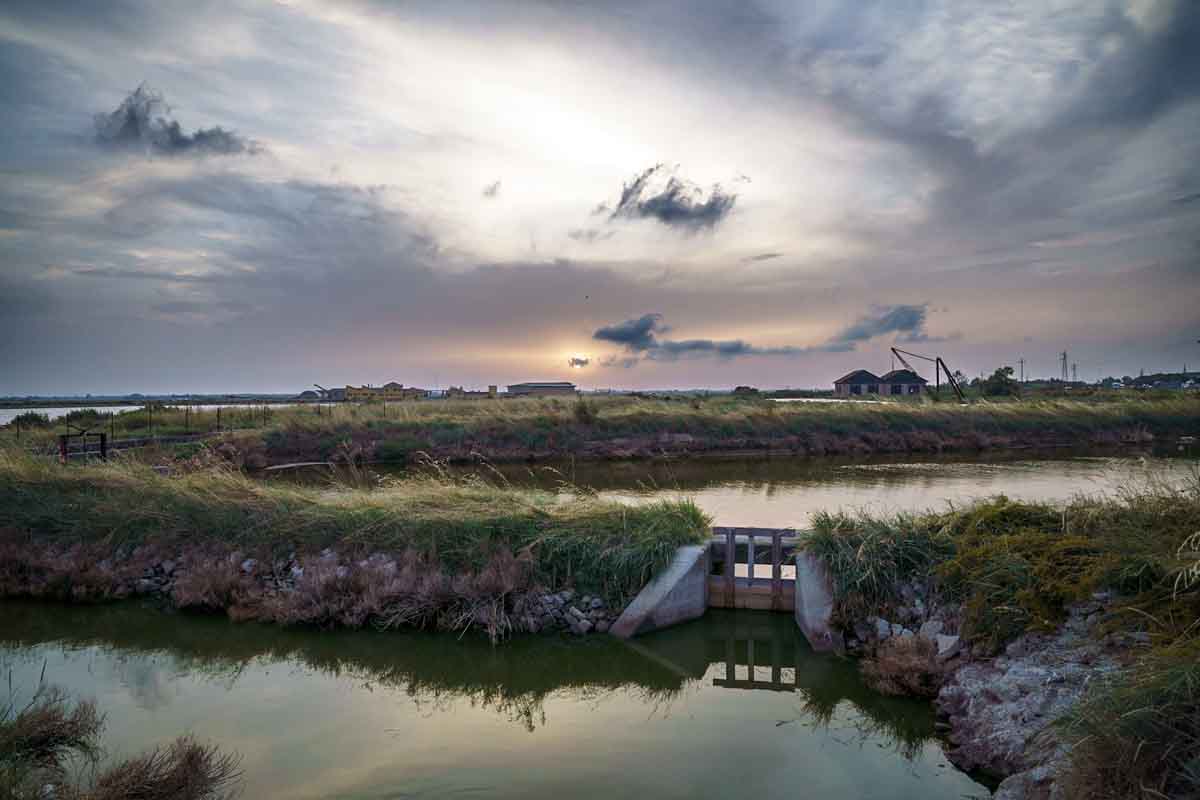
(308, 395)
(459, 393)
(389, 391)
(901, 382)
(856, 383)
(541, 389)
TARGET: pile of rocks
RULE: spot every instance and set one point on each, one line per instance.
(918, 615)
(565, 611)
(1001, 710)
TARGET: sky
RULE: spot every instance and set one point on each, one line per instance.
(259, 196)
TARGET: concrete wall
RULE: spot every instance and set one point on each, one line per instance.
(678, 594)
(814, 604)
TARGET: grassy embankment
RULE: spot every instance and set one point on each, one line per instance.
(1017, 566)
(456, 546)
(625, 426)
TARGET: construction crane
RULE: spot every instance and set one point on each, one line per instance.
(938, 367)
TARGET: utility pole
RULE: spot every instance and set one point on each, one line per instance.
(1021, 361)
(1062, 357)
(1074, 372)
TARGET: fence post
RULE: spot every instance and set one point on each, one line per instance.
(730, 566)
(776, 571)
(749, 559)
(62, 447)
(103, 446)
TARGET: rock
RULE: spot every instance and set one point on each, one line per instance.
(168, 567)
(596, 603)
(248, 565)
(145, 586)
(601, 627)
(883, 629)
(582, 626)
(931, 628)
(567, 595)
(947, 646)
(297, 571)
(899, 630)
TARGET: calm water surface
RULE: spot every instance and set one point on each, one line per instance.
(733, 705)
(786, 492)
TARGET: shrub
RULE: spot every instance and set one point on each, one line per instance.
(585, 413)
(30, 419)
(904, 665)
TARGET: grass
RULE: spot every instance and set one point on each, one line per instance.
(562, 426)
(1139, 736)
(457, 525)
(38, 741)
(1016, 567)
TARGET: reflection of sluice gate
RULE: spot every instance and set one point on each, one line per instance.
(751, 568)
(780, 678)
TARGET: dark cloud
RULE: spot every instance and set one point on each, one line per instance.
(144, 119)
(761, 257)
(638, 336)
(641, 338)
(634, 334)
(492, 189)
(677, 203)
(578, 361)
(589, 235)
(906, 320)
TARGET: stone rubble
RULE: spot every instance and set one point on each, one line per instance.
(997, 713)
(538, 612)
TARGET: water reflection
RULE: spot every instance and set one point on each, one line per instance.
(374, 715)
(779, 492)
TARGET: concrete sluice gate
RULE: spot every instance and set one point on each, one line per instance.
(746, 568)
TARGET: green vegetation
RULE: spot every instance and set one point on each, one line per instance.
(1015, 567)
(617, 426)
(459, 524)
(1139, 736)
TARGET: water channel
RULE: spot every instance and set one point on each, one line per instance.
(733, 705)
(786, 492)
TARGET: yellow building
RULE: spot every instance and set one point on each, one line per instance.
(390, 391)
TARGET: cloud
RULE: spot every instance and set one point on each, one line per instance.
(589, 235)
(675, 203)
(144, 119)
(641, 338)
(761, 257)
(492, 189)
(578, 361)
(907, 320)
(634, 334)
(638, 336)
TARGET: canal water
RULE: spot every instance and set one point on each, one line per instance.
(786, 492)
(733, 705)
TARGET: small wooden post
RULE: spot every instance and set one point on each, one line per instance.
(62, 447)
(776, 571)
(749, 559)
(730, 565)
(103, 446)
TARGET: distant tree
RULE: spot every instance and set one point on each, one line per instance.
(1000, 383)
